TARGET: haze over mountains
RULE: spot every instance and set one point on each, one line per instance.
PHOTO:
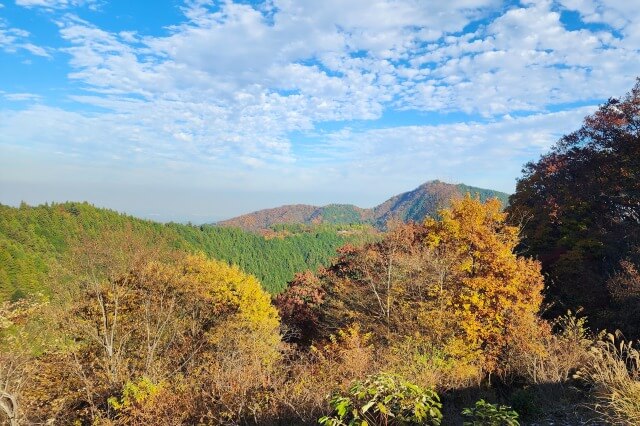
(413, 205)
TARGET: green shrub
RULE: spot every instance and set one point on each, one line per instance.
(385, 399)
(486, 414)
(135, 393)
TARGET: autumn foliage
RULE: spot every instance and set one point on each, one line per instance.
(494, 294)
(136, 329)
(143, 341)
(450, 293)
(299, 307)
(580, 207)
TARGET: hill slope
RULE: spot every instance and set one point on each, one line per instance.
(413, 205)
(35, 239)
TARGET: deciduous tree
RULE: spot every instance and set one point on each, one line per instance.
(580, 206)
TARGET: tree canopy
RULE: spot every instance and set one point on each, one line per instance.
(149, 341)
(580, 209)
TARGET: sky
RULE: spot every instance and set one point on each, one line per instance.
(201, 110)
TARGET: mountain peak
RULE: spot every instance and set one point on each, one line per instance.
(412, 205)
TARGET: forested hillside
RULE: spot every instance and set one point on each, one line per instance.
(415, 205)
(427, 199)
(34, 238)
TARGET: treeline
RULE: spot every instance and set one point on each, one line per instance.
(32, 239)
(135, 332)
(483, 194)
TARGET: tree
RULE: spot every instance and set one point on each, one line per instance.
(494, 294)
(452, 284)
(580, 206)
(299, 307)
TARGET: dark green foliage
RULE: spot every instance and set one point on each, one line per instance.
(32, 239)
(273, 261)
(484, 194)
(341, 213)
(366, 231)
(527, 403)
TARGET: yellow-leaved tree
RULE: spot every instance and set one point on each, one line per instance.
(493, 294)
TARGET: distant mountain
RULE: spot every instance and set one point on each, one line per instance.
(414, 205)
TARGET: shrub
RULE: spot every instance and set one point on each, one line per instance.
(135, 393)
(563, 351)
(486, 414)
(385, 399)
(299, 307)
(203, 335)
(348, 354)
(447, 366)
(306, 377)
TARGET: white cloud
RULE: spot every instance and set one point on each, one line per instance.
(238, 77)
(139, 135)
(336, 61)
(57, 4)
(20, 97)
(525, 59)
(621, 15)
(15, 39)
(489, 154)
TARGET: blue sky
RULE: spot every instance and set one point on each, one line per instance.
(200, 110)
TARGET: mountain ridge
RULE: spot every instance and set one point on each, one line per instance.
(413, 205)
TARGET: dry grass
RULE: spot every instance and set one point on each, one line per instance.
(613, 373)
(564, 351)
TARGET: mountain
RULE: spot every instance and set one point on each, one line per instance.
(413, 205)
